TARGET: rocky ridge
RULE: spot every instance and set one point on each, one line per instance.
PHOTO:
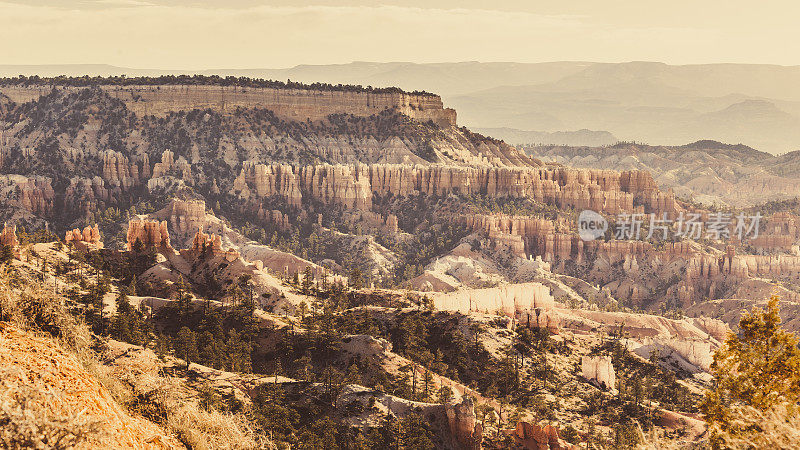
(707, 171)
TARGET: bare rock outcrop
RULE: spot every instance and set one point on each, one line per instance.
(88, 239)
(35, 194)
(532, 436)
(169, 165)
(9, 237)
(530, 303)
(461, 418)
(211, 245)
(151, 233)
(117, 170)
(511, 300)
(184, 216)
(599, 370)
(85, 194)
(296, 104)
(354, 186)
(697, 352)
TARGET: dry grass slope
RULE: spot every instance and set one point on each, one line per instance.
(54, 393)
(49, 400)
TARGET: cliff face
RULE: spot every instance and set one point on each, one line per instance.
(354, 186)
(530, 303)
(99, 153)
(31, 193)
(289, 104)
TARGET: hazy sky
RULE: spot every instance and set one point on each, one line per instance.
(205, 34)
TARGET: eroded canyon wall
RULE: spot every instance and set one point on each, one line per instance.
(354, 186)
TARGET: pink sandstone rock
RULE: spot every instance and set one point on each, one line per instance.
(151, 233)
(210, 245)
(531, 436)
(88, 239)
(353, 185)
(9, 237)
(461, 418)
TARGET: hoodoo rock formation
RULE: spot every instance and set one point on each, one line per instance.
(185, 217)
(151, 233)
(599, 369)
(9, 237)
(117, 171)
(34, 194)
(530, 303)
(169, 165)
(461, 418)
(354, 186)
(88, 239)
(531, 436)
(211, 245)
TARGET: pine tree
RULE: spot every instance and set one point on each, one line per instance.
(757, 370)
(6, 254)
(126, 325)
(186, 345)
(308, 279)
(415, 433)
(445, 394)
(303, 310)
(238, 353)
(138, 246)
(356, 281)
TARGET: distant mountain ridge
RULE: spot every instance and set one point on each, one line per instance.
(706, 171)
(514, 136)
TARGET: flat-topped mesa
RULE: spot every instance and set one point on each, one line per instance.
(8, 237)
(88, 239)
(151, 233)
(288, 103)
(353, 186)
(599, 369)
